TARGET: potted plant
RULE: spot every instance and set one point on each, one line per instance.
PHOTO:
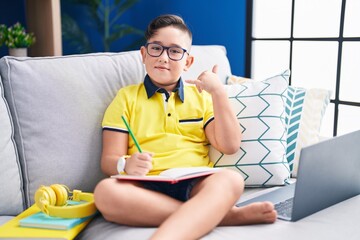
(16, 39)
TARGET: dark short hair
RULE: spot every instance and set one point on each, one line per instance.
(165, 21)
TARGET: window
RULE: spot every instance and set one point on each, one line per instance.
(319, 41)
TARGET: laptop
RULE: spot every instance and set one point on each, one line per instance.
(328, 173)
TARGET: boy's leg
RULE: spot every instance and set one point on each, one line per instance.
(126, 202)
(212, 203)
(211, 199)
(255, 213)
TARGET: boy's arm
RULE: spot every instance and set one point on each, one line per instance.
(224, 131)
(115, 145)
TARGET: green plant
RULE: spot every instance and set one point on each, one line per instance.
(104, 16)
(15, 36)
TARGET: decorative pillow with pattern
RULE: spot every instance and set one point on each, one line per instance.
(305, 109)
(260, 108)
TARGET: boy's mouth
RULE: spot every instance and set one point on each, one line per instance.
(162, 68)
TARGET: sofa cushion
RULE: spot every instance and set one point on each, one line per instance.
(260, 108)
(57, 104)
(11, 197)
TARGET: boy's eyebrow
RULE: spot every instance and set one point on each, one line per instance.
(171, 45)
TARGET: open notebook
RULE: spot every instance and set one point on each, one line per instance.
(172, 175)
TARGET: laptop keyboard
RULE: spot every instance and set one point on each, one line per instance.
(284, 208)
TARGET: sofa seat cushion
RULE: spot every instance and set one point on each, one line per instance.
(4, 219)
(337, 222)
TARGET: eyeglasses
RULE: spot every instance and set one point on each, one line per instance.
(174, 53)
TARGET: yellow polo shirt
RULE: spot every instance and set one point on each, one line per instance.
(172, 126)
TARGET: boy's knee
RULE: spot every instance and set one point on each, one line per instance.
(104, 198)
(102, 192)
(233, 180)
(227, 181)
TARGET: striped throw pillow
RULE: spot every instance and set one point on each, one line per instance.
(304, 109)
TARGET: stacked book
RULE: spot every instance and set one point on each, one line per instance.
(32, 223)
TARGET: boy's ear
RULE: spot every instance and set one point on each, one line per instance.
(189, 62)
(143, 53)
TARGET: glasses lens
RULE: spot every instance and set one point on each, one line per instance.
(154, 49)
(176, 53)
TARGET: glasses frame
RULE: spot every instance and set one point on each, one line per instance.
(167, 51)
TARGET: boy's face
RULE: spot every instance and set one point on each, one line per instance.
(163, 71)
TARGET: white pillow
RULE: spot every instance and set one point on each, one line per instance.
(260, 108)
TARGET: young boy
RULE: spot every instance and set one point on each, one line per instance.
(175, 123)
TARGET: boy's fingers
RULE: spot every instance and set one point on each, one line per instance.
(191, 81)
(144, 164)
(145, 158)
(215, 68)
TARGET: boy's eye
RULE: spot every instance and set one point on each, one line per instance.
(175, 50)
(156, 48)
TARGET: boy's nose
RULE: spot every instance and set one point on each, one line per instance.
(164, 55)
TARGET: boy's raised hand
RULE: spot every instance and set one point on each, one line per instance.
(208, 81)
(139, 164)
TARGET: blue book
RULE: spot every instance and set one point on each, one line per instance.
(42, 220)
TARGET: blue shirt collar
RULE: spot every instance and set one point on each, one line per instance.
(151, 88)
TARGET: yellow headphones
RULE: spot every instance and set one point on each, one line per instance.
(53, 202)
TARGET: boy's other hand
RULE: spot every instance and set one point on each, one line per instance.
(139, 164)
(208, 81)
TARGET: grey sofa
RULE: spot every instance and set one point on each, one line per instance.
(50, 132)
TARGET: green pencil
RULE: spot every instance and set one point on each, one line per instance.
(132, 135)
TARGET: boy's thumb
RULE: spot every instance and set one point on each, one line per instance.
(215, 68)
